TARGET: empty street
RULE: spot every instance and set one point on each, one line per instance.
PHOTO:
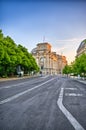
(43, 103)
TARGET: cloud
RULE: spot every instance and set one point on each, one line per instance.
(67, 47)
(71, 40)
(61, 48)
(67, 44)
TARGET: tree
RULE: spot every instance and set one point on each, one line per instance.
(67, 69)
(13, 55)
(79, 66)
(1, 34)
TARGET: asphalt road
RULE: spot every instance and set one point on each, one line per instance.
(43, 103)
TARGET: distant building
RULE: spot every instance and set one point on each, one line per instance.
(49, 62)
(82, 48)
(61, 63)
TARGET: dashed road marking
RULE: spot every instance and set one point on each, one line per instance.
(71, 88)
(68, 115)
(73, 94)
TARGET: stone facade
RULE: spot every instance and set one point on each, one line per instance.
(82, 48)
(48, 61)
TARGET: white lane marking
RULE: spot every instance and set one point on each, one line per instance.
(73, 94)
(68, 115)
(45, 76)
(71, 88)
(14, 85)
(22, 93)
(18, 84)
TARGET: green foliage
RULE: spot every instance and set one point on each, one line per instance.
(78, 67)
(67, 69)
(13, 55)
(1, 35)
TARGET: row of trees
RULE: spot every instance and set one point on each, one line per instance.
(78, 67)
(13, 56)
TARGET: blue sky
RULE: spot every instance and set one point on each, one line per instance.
(63, 24)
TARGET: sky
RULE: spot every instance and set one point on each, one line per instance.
(60, 23)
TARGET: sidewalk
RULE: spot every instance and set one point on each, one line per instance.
(82, 81)
(16, 78)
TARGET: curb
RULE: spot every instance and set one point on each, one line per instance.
(17, 78)
(82, 81)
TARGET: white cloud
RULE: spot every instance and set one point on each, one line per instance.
(68, 47)
(71, 40)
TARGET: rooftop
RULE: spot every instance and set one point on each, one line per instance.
(82, 44)
(44, 43)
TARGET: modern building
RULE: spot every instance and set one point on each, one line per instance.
(48, 61)
(82, 48)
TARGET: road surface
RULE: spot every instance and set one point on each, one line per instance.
(43, 103)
